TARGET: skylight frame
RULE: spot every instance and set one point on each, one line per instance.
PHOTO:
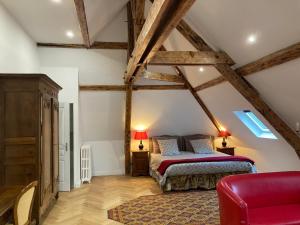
(254, 124)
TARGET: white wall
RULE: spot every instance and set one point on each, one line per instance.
(67, 78)
(18, 52)
(100, 113)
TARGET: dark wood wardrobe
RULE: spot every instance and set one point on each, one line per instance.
(29, 136)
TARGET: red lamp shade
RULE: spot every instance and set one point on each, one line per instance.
(140, 135)
(224, 133)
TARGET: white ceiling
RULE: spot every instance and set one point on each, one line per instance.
(227, 24)
(46, 21)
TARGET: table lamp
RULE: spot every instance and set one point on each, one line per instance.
(224, 134)
(141, 135)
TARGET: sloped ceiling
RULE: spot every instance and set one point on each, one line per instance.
(46, 21)
(227, 24)
(100, 13)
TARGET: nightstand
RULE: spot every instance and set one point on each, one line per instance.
(226, 150)
(140, 163)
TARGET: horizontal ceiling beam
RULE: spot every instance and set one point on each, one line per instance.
(135, 87)
(80, 9)
(109, 45)
(189, 58)
(162, 17)
(96, 45)
(279, 57)
(162, 77)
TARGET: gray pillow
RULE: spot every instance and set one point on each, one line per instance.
(202, 146)
(168, 147)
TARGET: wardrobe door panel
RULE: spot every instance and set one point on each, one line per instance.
(46, 154)
(55, 140)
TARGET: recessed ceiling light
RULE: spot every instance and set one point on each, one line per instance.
(70, 34)
(56, 1)
(251, 39)
(201, 69)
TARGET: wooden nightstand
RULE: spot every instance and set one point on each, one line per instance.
(140, 163)
(226, 150)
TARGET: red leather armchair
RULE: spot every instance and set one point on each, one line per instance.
(263, 198)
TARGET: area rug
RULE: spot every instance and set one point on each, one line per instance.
(184, 208)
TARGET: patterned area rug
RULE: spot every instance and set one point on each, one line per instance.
(184, 208)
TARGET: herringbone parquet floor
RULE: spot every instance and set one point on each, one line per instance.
(88, 204)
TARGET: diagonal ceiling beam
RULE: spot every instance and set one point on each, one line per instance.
(80, 9)
(190, 58)
(163, 16)
(162, 77)
(243, 87)
(253, 97)
(192, 36)
(279, 57)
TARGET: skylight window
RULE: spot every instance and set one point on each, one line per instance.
(257, 127)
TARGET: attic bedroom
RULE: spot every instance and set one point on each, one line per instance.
(149, 112)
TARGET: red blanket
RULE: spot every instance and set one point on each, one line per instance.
(166, 163)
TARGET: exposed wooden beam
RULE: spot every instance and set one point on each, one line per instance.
(109, 45)
(192, 36)
(96, 45)
(102, 88)
(58, 45)
(159, 87)
(279, 57)
(80, 9)
(243, 87)
(284, 55)
(135, 87)
(130, 29)
(138, 8)
(162, 77)
(189, 58)
(127, 136)
(162, 17)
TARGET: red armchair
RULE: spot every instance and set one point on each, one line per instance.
(263, 198)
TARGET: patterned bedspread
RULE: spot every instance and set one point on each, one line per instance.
(196, 168)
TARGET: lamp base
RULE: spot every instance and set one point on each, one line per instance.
(224, 144)
(141, 146)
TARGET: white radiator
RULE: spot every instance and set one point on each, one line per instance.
(86, 168)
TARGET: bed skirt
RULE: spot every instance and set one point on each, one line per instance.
(196, 181)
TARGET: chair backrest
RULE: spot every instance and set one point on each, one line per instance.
(266, 189)
(24, 204)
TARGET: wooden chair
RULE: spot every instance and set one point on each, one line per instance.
(23, 205)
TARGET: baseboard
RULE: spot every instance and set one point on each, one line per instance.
(107, 173)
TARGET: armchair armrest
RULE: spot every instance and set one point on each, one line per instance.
(233, 210)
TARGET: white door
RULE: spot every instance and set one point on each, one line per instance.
(64, 147)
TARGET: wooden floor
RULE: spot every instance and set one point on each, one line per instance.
(88, 205)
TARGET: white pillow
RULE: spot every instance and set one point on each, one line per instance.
(202, 146)
(168, 147)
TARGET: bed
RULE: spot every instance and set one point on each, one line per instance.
(188, 170)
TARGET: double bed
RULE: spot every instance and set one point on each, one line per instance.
(189, 170)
